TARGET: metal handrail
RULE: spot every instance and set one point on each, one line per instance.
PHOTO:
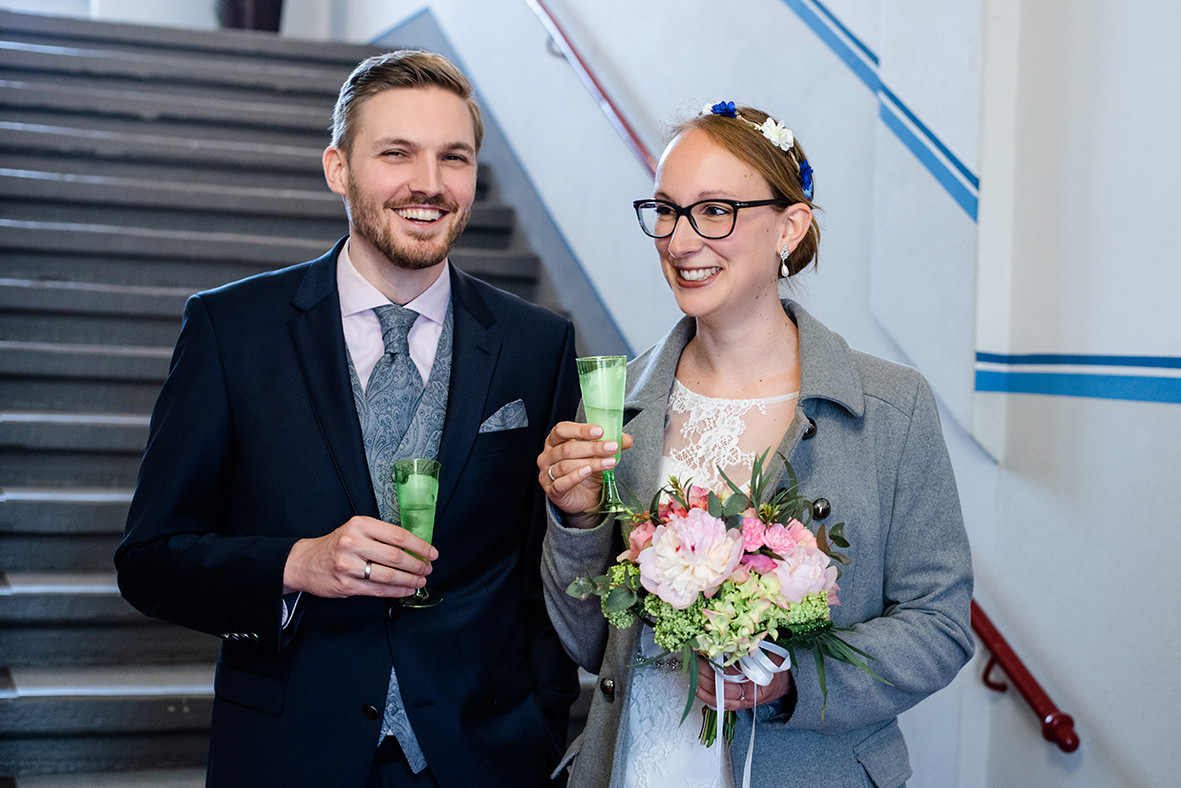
(622, 127)
(1057, 726)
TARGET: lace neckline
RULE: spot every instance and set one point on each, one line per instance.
(681, 390)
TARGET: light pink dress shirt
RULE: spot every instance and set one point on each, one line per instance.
(362, 329)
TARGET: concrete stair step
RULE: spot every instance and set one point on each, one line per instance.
(157, 778)
(77, 312)
(116, 37)
(104, 718)
(79, 619)
(80, 377)
(71, 449)
(65, 530)
(95, 65)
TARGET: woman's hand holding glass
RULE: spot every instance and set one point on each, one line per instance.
(570, 469)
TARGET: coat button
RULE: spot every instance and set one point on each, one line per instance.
(392, 611)
(810, 430)
(607, 687)
(821, 508)
(371, 712)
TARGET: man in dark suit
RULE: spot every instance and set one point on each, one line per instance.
(263, 512)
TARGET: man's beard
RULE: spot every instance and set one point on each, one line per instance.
(370, 222)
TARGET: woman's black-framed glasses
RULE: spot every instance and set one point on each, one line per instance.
(713, 219)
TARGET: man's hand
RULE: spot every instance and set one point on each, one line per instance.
(363, 557)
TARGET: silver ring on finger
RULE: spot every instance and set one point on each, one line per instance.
(551, 473)
(368, 569)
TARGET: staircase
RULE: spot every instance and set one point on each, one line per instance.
(137, 166)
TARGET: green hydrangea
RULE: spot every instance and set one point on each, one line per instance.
(624, 574)
(813, 607)
(674, 628)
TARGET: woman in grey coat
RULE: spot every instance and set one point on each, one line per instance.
(744, 371)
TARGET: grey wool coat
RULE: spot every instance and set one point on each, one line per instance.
(866, 436)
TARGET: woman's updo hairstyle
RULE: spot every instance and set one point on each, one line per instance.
(781, 169)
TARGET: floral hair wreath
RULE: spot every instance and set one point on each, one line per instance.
(776, 133)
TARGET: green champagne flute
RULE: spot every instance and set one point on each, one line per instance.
(417, 482)
(603, 380)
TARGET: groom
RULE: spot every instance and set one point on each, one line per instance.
(264, 511)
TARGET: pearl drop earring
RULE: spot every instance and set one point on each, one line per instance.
(783, 254)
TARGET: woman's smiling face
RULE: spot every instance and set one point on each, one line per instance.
(714, 278)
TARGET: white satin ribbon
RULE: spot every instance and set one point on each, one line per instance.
(756, 667)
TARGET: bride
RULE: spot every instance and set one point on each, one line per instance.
(742, 372)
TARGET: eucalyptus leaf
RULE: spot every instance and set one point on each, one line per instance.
(619, 599)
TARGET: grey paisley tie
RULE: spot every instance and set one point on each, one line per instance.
(391, 397)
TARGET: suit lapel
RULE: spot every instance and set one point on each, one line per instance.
(320, 347)
(474, 354)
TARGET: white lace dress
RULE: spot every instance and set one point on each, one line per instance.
(702, 434)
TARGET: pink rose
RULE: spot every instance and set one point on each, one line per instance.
(753, 534)
(779, 539)
(637, 540)
(688, 556)
(800, 534)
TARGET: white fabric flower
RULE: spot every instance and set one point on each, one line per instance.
(780, 135)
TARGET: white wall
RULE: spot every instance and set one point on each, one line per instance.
(201, 15)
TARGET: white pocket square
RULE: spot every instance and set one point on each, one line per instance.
(510, 417)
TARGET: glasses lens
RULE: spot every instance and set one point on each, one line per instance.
(656, 218)
(713, 219)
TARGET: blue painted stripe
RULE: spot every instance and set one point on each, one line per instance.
(866, 72)
(856, 41)
(864, 64)
(951, 184)
(951, 157)
(1164, 362)
(1135, 388)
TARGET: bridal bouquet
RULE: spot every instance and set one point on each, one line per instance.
(730, 578)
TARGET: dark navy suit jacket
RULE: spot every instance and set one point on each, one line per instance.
(255, 443)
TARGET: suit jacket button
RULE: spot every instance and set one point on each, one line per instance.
(810, 430)
(821, 508)
(607, 687)
(371, 712)
(392, 611)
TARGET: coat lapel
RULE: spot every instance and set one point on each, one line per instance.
(320, 347)
(474, 353)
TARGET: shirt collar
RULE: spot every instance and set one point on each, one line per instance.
(358, 295)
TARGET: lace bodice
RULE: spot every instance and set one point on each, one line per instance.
(704, 433)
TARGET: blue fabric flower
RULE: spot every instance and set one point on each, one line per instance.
(806, 178)
(725, 109)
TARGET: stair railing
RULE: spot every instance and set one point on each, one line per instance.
(1057, 727)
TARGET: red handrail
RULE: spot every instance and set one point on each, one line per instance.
(1057, 727)
(558, 36)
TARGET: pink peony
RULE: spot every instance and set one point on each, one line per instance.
(689, 555)
(803, 571)
(637, 540)
(763, 564)
(697, 497)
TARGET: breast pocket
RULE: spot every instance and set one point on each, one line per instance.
(521, 440)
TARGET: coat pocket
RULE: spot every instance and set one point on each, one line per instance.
(252, 690)
(884, 757)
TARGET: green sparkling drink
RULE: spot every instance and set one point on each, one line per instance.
(603, 380)
(417, 481)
